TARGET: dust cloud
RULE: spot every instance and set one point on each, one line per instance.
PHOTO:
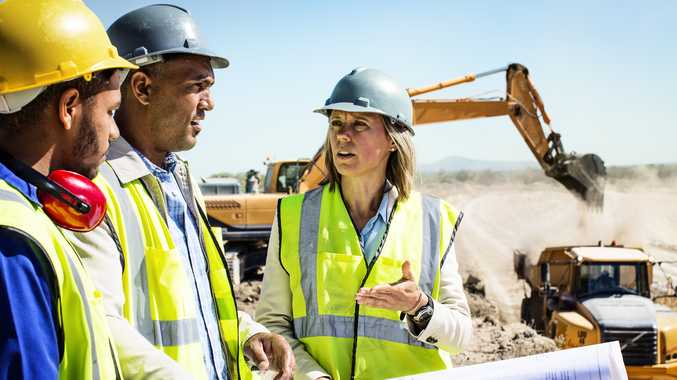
(639, 211)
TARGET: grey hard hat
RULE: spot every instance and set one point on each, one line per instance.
(142, 36)
(370, 90)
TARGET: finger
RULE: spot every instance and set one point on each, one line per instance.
(406, 271)
(258, 354)
(392, 292)
(380, 288)
(384, 297)
(268, 347)
(375, 301)
(284, 359)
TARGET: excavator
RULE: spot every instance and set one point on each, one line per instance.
(246, 219)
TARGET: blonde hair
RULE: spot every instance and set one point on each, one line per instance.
(401, 162)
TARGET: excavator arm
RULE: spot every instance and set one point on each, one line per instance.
(583, 175)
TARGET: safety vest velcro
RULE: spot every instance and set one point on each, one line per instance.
(158, 298)
(88, 352)
(320, 249)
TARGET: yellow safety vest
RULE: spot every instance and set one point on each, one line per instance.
(158, 299)
(320, 249)
(88, 352)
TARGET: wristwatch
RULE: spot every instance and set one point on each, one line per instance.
(422, 316)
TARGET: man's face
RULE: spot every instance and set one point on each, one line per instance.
(95, 129)
(179, 99)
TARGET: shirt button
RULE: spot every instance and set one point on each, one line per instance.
(431, 340)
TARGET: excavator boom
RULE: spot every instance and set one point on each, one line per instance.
(583, 175)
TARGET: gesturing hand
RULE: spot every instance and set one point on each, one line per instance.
(402, 295)
(264, 348)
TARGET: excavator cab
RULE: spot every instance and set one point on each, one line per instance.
(583, 175)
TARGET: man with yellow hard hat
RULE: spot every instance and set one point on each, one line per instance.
(60, 80)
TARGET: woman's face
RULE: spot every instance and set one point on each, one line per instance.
(359, 142)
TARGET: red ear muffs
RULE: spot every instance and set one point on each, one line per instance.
(71, 200)
(75, 203)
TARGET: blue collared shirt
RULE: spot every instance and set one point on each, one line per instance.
(184, 231)
(372, 232)
(28, 343)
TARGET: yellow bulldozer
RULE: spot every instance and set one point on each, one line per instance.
(582, 295)
(246, 219)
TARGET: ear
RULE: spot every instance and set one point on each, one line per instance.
(68, 107)
(140, 86)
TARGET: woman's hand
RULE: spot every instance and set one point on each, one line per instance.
(402, 295)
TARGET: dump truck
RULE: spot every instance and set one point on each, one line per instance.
(582, 295)
(246, 220)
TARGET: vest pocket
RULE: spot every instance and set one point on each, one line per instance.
(337, 281)
(170, 295)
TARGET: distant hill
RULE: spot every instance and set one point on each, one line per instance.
(456, 163)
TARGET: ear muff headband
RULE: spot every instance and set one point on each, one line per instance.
(43, 183)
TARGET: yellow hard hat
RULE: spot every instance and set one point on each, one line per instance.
(43, 42)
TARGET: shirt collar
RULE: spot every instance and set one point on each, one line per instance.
(163, 174)
(27, 189)
(383, 207)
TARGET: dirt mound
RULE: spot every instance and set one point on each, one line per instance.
(493, 339)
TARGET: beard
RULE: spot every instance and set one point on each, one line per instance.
(86, 145)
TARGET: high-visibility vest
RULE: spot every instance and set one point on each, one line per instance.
(320, 249)
(88, 351)
(158, 298)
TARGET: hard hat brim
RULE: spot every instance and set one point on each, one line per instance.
(109, 63)
(350, 107)
(347, 107)
(217, 61)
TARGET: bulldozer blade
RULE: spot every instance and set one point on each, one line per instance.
(584, 176)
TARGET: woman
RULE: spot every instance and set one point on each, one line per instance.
(361, 275)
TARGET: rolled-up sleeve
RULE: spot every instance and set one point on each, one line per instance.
(274, 309)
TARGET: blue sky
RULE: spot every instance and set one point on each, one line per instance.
(607, 72)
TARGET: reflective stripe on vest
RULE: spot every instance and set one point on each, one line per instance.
(157, 290)
(320, 250)
(74, 292)
(159, 333)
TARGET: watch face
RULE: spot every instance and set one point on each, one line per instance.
(425, 313)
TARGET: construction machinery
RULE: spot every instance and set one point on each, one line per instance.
(582, 295)
(246, 219)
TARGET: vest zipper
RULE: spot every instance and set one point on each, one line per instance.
(364, 280)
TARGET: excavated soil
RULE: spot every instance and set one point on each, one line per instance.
(529, 216)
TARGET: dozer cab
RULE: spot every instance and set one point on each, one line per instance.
(582, 295)
(246, 219)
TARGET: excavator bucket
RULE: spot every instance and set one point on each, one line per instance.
(584, 176)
